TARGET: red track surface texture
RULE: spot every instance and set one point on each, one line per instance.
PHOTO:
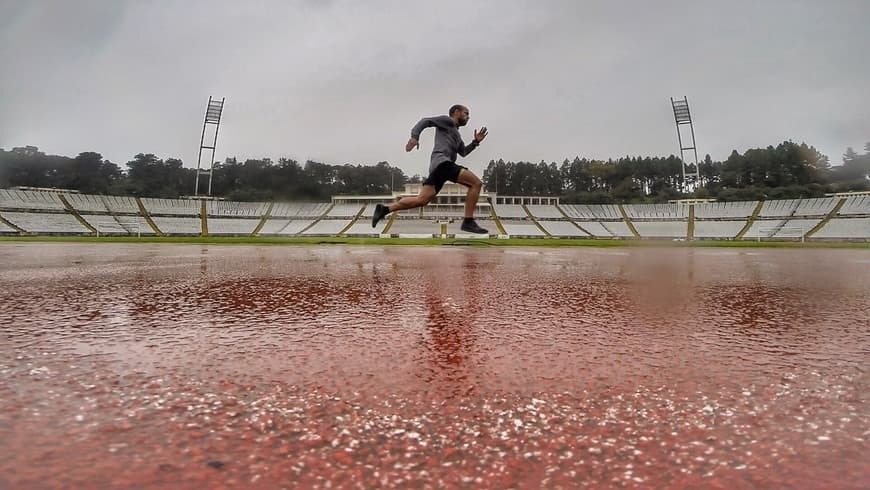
(186, 366)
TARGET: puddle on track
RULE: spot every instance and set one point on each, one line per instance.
(188, 365)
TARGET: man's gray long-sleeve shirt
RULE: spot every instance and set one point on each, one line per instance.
(448, 142)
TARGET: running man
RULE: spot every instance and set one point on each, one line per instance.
(443, 167)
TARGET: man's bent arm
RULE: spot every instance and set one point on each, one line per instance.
(442, 122)
(466, 149)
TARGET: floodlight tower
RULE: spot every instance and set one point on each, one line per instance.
(683, 117)
(212, 116)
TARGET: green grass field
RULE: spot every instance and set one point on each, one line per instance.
(522, 242)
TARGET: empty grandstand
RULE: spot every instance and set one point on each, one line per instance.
(618, 229)
(725, 210)
(718, 229)
(845, 229)
(45, 222)
(544, 211)
(510, 211)
(14, 199)
(171, 207)
(344, 210)
(815, 207)
(656, 211)
(6, 229)
(855, 206)
(563, 229)
(327, 227)
(288, 219)
(592, 211)
(232, 226)
(231, 209)
(30, 211)
(661, 229)
(521, 229)
(595, 229)
(234, 218)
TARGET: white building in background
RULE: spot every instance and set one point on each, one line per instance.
(451, 194)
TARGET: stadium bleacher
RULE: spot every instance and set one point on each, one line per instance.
(45, 212)
(764, 228)
(778, 208)
(723, 229)
(508, 211)
(563, 229)
(344, 210)
(177, 207)
(299, 210)
(515, 228)
(656, 211)
(363, 228)
(796, 228)
(328, 227)
(119, 225)
(232, 209)
(121, 204)
(845, 228)
(96, 211)
(178, 225)
(727, 210)
(232, 226)
(592, 211)
(855, 206)
(33, 222)
(545, 211)
(816, 207)
(6, 229)
(661, 229)
(14, 199)
(284, 227)
(87, 203)
(449, 211)
(595, 228)
(618, 229)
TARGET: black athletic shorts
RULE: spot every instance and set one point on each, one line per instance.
(442, 173)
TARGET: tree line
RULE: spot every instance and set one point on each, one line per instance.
(788, 170)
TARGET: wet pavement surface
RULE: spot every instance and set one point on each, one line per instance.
(191, 366)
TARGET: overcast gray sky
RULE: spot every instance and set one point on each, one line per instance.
(344, 81)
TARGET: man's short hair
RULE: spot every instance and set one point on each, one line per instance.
(455, 108)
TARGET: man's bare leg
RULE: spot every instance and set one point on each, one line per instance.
(474, 185)
(426, 194)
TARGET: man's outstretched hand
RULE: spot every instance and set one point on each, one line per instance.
(411, 144)
(479, 135)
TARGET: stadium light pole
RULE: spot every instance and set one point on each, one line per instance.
(683, 117)
(212, 116)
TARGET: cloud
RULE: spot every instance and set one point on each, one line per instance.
(344, 81)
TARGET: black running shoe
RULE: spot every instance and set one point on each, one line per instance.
(380, 212)
(471, 226)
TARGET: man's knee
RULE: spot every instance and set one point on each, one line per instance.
(470, 180)
(423, 199)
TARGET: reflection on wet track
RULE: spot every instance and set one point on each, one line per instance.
(154, 365)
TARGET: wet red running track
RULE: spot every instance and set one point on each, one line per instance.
(187, 366)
